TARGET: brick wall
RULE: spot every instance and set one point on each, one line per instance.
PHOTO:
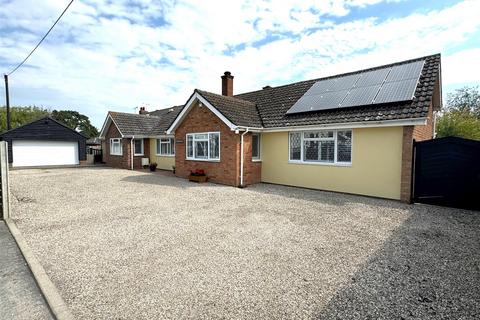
(425, 132)
(252, 170)
(419, 133)
(227, 170)
(406, 172)
(123, 161)
(137, 160)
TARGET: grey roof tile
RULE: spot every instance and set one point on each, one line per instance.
(151, 124)
(238, 111)
(274, 102)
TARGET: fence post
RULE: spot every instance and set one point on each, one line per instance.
(5, 212)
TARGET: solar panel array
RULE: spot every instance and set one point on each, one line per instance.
(390, 84)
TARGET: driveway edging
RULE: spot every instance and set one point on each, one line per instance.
(54, 300)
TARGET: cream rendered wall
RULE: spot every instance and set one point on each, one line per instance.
(375, 169)
(163, 162)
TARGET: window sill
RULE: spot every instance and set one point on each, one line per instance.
(256, 160)
(203, 160)
(138, 154)
(331, 164)
(165, 155)
(116, 154)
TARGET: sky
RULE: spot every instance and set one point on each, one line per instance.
(119, 55)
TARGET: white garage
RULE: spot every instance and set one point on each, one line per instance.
(44, 153)
(45, 142)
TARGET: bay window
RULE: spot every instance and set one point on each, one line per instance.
(165, 147)
(324, 146)
(116, 146)
(203, 146)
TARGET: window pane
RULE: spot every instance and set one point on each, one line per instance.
(256, 146)
(312, 134)
(310, 151)
(158, 146)
(172, 146)
(327, 151)
(164, 148)
(201, 136)
(138, 146)
(201, 149)
(326, 134)
(214, 146)
(295, 145)
(344, 146)
(190, 146)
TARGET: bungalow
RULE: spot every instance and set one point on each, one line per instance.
(349, 133)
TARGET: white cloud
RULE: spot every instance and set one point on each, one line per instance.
(111, 56)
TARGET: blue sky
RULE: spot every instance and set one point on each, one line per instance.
(119, 55)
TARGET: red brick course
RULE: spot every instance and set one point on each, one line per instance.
(425, 132)
(419, 133)
(123, 161)
(227, 170)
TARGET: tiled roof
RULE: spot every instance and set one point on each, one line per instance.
(154, 123)
(238, 111)
(167, 116)
(268, 107)
(273, 103)
(131, 124)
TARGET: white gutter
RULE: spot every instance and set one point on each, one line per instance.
(353, 125)
(241, 157)
(132, 150)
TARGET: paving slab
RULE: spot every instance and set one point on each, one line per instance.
(20, 297)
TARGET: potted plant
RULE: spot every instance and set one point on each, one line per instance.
(197, 176)
(173, 169)
(153, 166)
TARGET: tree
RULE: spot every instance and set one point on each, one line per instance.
(76, 121)
(461, 117)
(20, 116)
(23, 115)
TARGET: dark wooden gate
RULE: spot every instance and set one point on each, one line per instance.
(447, 172)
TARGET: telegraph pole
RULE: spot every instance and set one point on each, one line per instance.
(7, 98)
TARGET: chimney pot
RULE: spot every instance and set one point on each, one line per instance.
(142, 110)
(227, 84)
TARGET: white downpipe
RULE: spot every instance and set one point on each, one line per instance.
(241, 157)
(132, 150)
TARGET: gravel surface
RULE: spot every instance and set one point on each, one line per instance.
(134, 245)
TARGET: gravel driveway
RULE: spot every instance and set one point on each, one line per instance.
(134, 245)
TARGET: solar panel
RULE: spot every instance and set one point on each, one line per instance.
(396, 91)
(405, 71)
(360, 96)
(345, 83)
(336, 84)
(323, 101)
(373, 77)
(389, 84)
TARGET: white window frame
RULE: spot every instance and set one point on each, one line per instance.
(119, 141)
(208, 146)
(259, 158)
(158, 146)
(135, 152)
(335, 161)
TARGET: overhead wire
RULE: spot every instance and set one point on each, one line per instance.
(40, 42)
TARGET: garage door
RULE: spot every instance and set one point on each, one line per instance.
(44, 153)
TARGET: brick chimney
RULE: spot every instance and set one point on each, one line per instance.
(227, 84)
(142, 111)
